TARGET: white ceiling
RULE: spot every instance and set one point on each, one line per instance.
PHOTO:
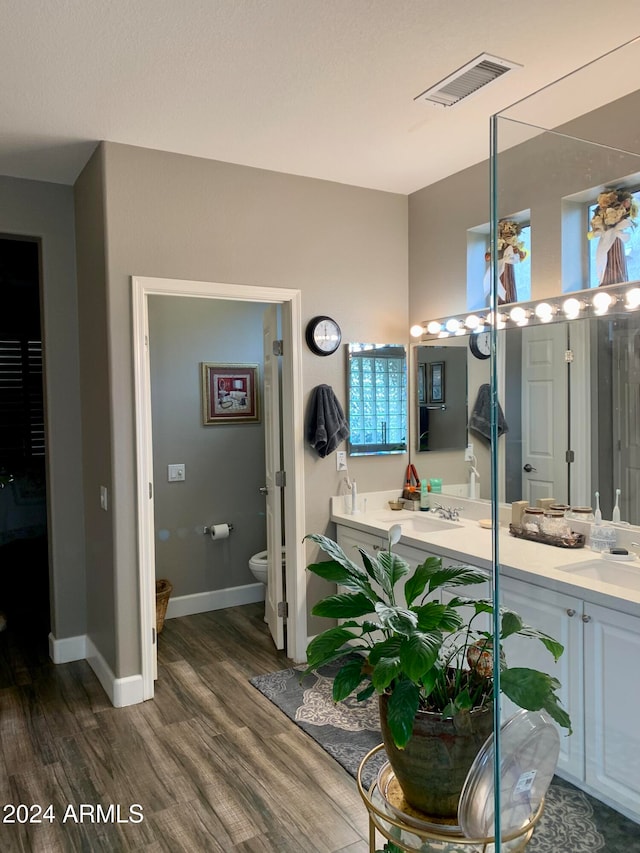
(323, 88)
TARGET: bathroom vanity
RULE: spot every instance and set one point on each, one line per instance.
(589, 604)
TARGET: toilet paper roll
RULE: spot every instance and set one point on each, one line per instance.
(219, 531)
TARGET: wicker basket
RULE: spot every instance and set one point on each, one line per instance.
(164, 588)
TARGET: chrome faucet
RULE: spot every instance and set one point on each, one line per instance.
(450, 513)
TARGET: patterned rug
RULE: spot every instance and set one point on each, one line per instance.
(573, 822)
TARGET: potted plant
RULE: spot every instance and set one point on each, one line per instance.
(432, 670)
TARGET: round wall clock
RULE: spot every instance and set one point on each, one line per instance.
(323, 335)
(480, 344)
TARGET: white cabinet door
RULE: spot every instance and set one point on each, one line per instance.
(612, 699)
(349, 540)
(559, 616)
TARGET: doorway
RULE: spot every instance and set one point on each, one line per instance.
(292, 431)
(24, 593)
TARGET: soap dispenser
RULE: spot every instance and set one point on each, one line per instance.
(425, 503)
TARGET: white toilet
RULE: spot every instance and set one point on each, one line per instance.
(258, 566)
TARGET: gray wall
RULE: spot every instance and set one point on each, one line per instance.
(537, 175)
(224, 463)
(33, 208)
(344, 248)
(98, 395)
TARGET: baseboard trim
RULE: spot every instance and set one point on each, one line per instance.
(67, 649)
(215, 599)
(121, 691)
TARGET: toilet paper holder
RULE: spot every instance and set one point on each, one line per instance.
(207, 530)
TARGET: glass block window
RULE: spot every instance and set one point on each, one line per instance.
(377, 399)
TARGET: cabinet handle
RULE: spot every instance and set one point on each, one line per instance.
(586, 618)
(571, 611)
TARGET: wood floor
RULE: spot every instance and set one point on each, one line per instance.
(211, 763)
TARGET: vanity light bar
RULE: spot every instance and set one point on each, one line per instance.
(595, 302)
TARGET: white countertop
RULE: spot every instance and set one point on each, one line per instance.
(519, 558)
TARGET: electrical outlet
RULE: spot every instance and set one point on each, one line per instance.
(468, 453)
(341, 460)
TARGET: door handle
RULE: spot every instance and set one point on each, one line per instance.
(264, 490)
(528, 468)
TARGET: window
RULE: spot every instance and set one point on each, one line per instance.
(377, 399)
(631, 247)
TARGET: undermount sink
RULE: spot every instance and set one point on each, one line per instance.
(412, 522)
(607, 571)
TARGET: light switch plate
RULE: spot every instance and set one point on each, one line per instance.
(104, 498)
(176, 473)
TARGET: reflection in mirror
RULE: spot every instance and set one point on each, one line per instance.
(572, 401)
(377, 380)
(441, 396)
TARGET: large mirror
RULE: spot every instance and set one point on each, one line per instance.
(441, 396)
(572, 402)
(377, 390)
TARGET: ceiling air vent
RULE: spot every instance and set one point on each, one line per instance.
(467, 80)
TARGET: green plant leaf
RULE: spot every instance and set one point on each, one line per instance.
(397, 619)
(348, 678)
(456, 576)
(548, 642)
(429, 615)
(419, 652)
(401, 711)
(384, 672)
(558, 713)
(387, 648)
(510, 624)
(366, 693)
(377, 572)
(463, 701)
(344, 605)
(340, 569)
(533, 690)
(334, 572)
(322, 648)
(429, 681)
(394, 566)
(418, 581)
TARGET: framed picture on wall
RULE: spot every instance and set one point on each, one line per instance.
(230, 393)
(435, 385)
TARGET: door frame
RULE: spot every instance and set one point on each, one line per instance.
(293, 442)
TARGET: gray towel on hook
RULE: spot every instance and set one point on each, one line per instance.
(480, 420)
(326, 423)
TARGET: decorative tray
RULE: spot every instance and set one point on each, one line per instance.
(574, 540)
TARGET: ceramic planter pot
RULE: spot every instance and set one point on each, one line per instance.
(432, 768)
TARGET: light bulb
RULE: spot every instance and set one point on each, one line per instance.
(452, 325)
(519, 315)
(416, 331)
(544, 312)
(571, 308)
(602, 301)
(472, 321)
(434, 327)
(632, 300)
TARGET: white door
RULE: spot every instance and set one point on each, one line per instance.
(545, 423)
(626, 416)
(273, 495)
